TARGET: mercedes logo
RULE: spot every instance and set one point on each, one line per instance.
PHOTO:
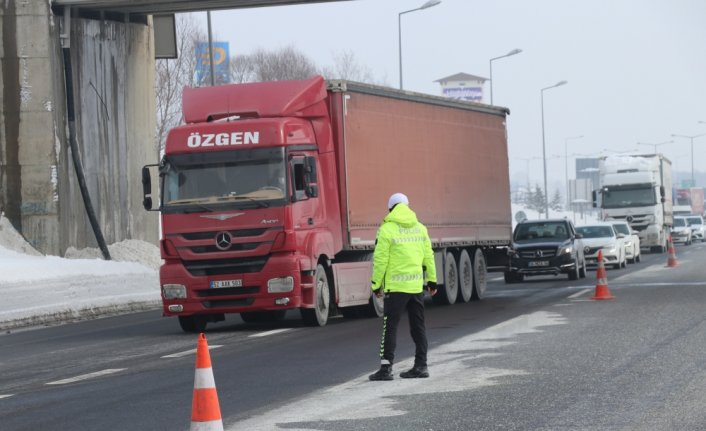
(538, 253)
(223, 240)
(629, 219)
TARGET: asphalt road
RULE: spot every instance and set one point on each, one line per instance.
(539, 355)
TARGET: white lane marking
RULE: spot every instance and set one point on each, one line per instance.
(453, 366)
(6, 396)
(272, 332)
(87, 376)
(579, 293)
(190, 352)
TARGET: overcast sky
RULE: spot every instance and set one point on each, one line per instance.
(636, 69)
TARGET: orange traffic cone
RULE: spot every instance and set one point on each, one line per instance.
(602, 291)
(672, 258)
(205, 410)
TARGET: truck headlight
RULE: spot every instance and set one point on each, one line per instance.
(279, 285)
(174, 291)
(566, 250)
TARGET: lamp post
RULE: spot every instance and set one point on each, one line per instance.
(655, 145)
(513, 52)
(428, 4)
(544, 148)
(691, 138)
(566, 163)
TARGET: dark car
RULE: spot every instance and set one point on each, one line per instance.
(545, 247)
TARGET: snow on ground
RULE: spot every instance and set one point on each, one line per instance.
(37, 289)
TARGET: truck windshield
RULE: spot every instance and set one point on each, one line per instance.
(632, 197)
(220, 180)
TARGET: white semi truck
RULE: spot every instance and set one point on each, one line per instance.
(638, 189)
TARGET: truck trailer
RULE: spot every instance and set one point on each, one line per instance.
(271, 195)
(638, 189)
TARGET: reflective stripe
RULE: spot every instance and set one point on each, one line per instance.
(408, 239)
(407, 277)
(204, 378)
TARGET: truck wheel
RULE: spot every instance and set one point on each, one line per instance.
(465, 272)
(193, 323)
(449, 291)
(318, 316)
(480, 275)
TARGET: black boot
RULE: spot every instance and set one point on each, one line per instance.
(416, 372)
(384, 373)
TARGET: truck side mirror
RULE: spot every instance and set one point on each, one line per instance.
(147, 187)
(594, 196)
(661, 192)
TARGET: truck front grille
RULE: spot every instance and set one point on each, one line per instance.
(201, 268)
(198, 236)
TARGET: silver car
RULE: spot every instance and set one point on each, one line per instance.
(631, 240)
(698, 230)
(681, 232)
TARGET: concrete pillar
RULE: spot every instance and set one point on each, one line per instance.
(28, 166)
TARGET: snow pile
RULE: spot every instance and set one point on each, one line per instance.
(129, 250)
(613, 164)
(10, 239)
(37, 289)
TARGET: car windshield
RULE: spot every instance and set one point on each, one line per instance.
(679, 222)
(622, 228)
(694, 220)
(596, 231)
(544, 230)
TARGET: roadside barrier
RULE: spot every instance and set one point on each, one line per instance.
(205, 410)
(672, 258)
(602, 291)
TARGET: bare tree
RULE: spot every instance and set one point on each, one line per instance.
(282, 64)
(172, 75)
(346, 66)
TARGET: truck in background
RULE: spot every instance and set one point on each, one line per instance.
(638, 189)
(688, 201)
(271, 195)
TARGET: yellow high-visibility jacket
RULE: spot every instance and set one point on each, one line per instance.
(402, 252)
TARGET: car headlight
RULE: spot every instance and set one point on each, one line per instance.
(279, 285)
(174, 291)
(609, 249)
(566, 250)
(628, 244)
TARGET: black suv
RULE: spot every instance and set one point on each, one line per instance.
(545, 247)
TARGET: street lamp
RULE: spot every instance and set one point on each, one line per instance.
(544, 148)
(428, 4)
(566, 163)
(656, 145)
(674, 135)
(513, 52)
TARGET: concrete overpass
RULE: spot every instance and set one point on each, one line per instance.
(109, 45)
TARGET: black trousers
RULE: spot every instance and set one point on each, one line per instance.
(395, 305)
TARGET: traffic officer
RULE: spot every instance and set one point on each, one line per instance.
(402, 258)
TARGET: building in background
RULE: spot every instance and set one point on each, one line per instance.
(463, 86)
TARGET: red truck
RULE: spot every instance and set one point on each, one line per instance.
(271, 195)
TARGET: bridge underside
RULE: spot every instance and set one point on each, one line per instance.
(172, 6)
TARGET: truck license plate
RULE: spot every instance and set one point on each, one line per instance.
(218, 284)
(538, 263)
